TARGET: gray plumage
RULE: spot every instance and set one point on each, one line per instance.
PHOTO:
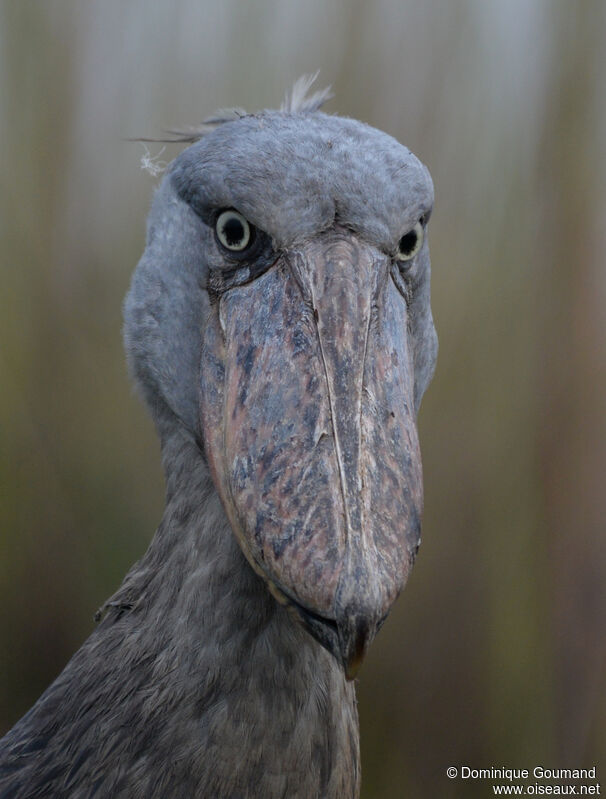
(205, 677)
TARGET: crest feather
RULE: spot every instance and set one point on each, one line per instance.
(298, 100)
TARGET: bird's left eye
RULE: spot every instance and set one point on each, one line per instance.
(233, 231)
(410, 243)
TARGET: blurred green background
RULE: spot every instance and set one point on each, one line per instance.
(495, 653)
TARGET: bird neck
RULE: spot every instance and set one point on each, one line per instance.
(248, 679)
(195, 682)
(194, 573)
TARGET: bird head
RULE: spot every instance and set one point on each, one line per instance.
(281, 313)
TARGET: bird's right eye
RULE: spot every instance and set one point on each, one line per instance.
(233, 231)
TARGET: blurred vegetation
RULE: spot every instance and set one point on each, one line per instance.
(496, 653)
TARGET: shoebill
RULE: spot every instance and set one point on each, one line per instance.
(279, 328)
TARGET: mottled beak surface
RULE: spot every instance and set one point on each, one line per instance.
(310, 432)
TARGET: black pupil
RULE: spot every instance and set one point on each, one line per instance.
(408, 242)
(234, 232)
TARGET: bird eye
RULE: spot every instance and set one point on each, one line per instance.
(410, 243)
(233, 231)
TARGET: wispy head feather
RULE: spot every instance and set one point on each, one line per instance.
(297, 100)
(195, 132)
